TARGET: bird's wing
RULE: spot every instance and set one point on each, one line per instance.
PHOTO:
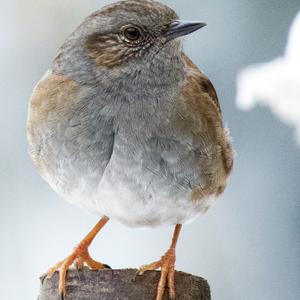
(203, 82)
(70, 140)
(198, 115)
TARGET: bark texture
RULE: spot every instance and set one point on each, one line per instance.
(122, 285)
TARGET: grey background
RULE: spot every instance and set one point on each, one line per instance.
(247, 246)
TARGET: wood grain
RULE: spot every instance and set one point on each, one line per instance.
(120, 284)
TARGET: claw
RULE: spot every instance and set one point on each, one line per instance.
(61, 296)
(167, 273)
(135, 276)
(167, 265)
(79, 256)
(107, 267)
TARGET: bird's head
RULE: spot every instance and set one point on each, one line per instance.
(133, 31)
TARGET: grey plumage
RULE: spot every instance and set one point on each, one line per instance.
(118, 127)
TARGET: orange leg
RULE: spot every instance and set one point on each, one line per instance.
(80, 255)
(167, 265)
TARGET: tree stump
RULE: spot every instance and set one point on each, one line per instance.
(122, 285)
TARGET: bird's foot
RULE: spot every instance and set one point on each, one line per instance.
(167, 265)
(80, 256)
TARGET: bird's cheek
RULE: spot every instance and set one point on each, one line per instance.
(109, 57)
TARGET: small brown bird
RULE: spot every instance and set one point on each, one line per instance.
(126, 126)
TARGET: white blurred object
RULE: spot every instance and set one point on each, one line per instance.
(276, 83)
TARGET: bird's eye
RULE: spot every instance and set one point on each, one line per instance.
(132, 33)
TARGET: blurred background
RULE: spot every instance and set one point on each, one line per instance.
(247, 246)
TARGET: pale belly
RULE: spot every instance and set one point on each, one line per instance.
(140, 199)
(121, 204)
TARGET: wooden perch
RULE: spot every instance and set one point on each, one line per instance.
(120, 284)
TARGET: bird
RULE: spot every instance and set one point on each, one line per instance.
(125, 125)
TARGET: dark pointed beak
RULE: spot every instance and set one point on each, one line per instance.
(181, 28)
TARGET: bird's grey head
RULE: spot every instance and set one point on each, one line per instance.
(129, 33)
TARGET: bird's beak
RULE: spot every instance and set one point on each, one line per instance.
(180, 28)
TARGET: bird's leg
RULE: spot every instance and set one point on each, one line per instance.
(80, 255)
(167, 265)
